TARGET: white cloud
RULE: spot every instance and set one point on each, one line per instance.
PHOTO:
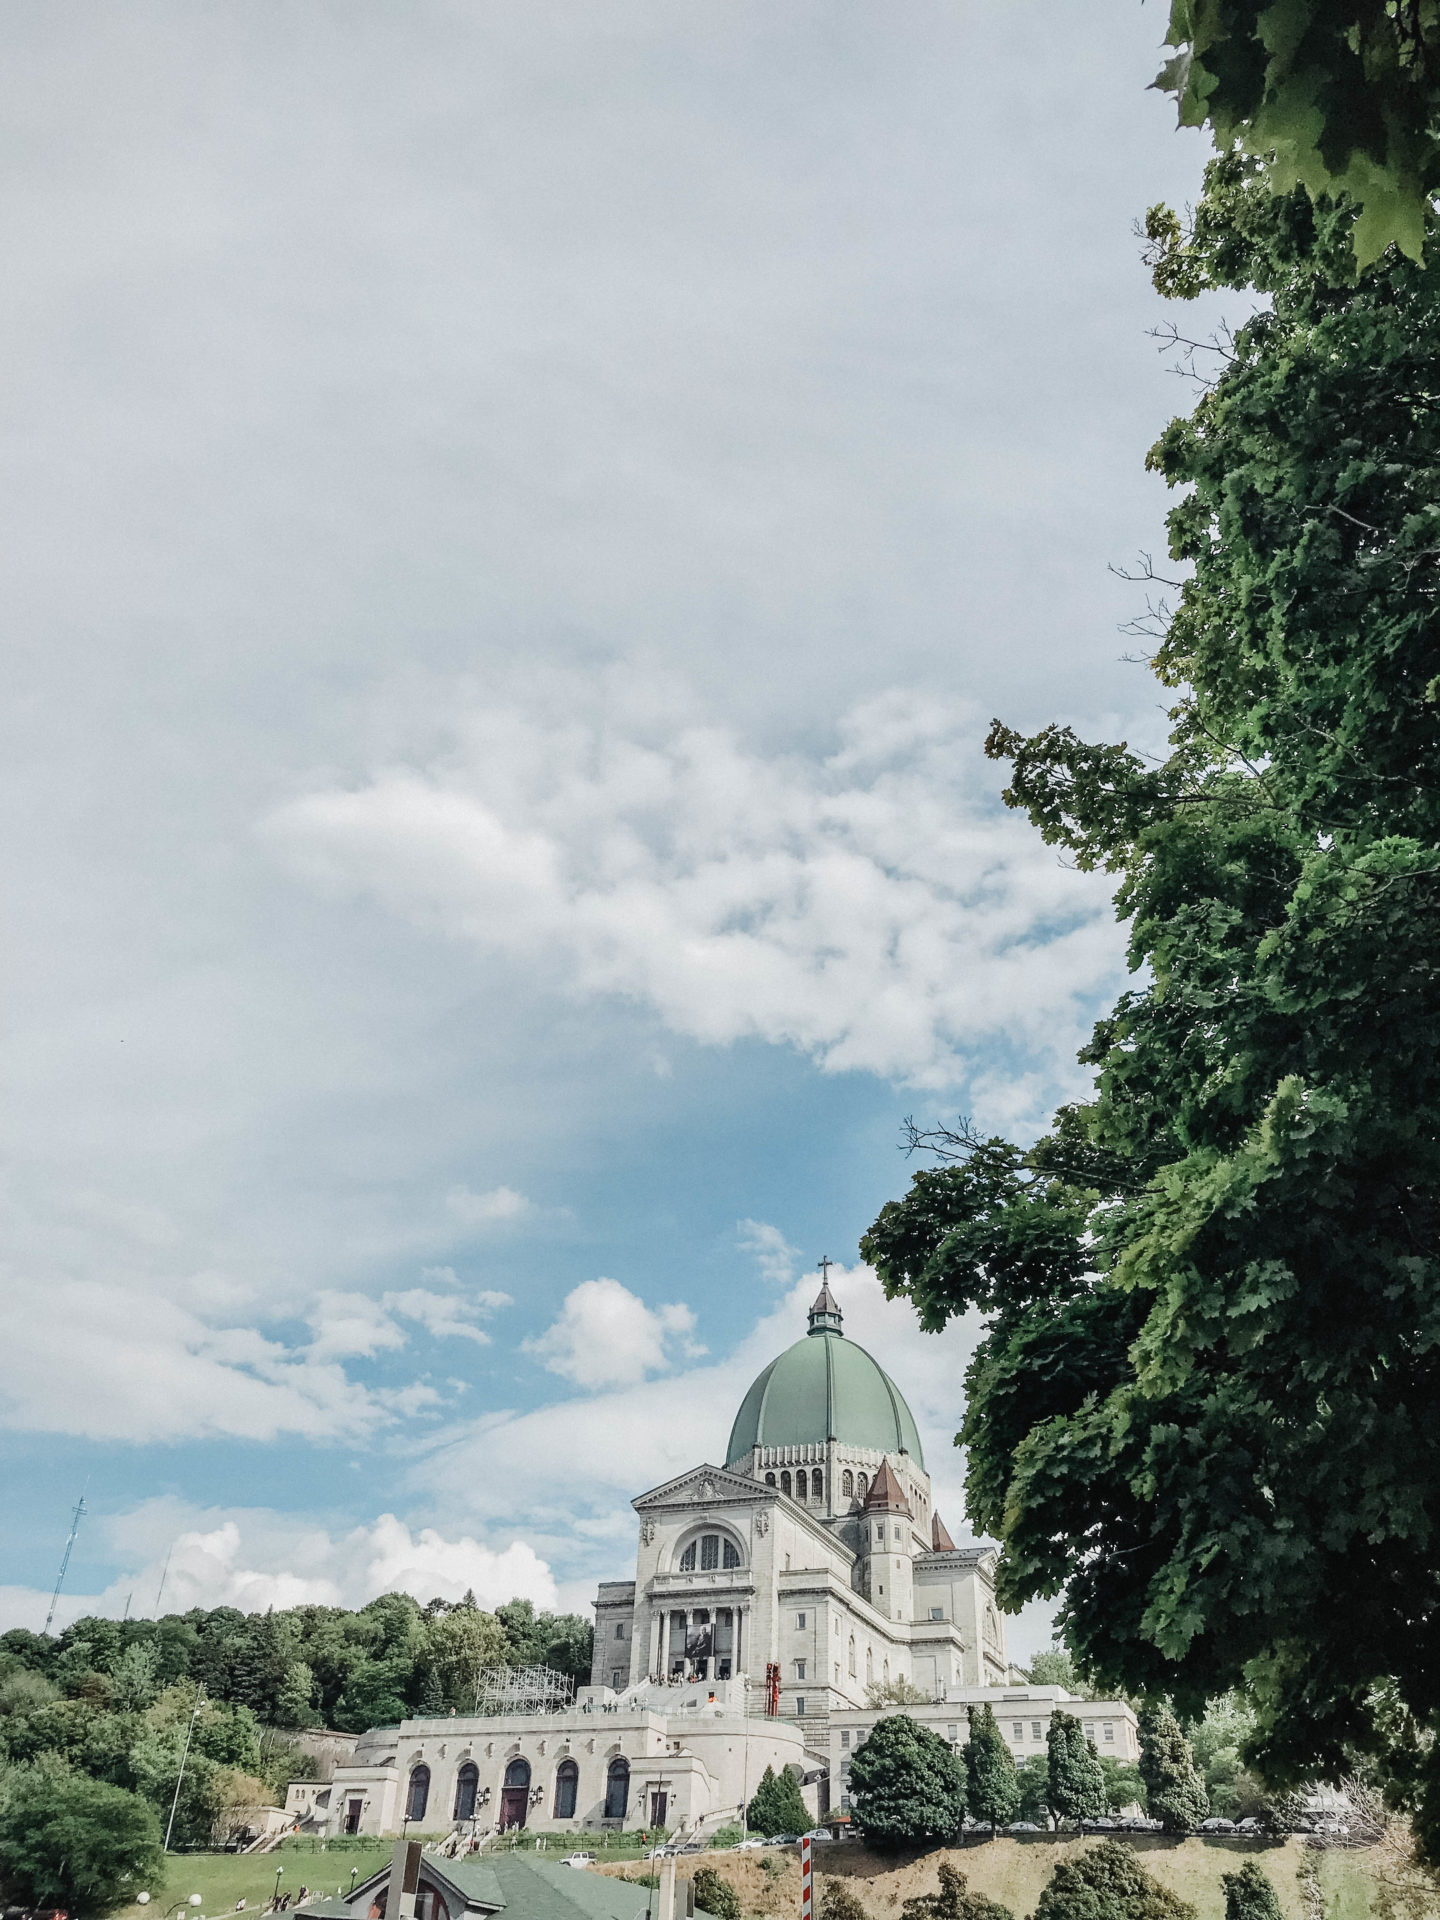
(774, 1255)
(606, 1336)
(873, 907)
(447, 1316)
(486, 1209)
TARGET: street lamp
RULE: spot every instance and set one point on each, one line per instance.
(275, 1891)
(193, 1900)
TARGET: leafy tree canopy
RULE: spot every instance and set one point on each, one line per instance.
(1340, 96)
(1174, 1791)
(1200, 1409)
(715, 1895)
(954, 1901)
(777, 1805)
(71, 1842)
(1108, 1883)
(1250, 1894)
(906, 1785)
(1076, 1787)
(991, 1790)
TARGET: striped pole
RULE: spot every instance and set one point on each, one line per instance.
(805, 1878)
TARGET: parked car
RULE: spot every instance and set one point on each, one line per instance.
(578, 1860)
(820, 1833)
(783, 1840)
(1216, 1825)
(691, 1846)
(1022, 1826)
(746, 1846)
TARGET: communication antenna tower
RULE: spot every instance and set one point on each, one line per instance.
(65, 1562)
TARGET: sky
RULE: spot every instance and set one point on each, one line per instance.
(519, 517)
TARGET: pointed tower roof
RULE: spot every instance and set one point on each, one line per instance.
(940, 1541)
(886, 1494)
(825, 1315)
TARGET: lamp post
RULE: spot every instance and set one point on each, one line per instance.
(191, 1900)
(180, 1777)
(275, 1891)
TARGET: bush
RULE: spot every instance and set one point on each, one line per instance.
(1174, 1791)
(839, 1901)
(715, 1895)
(954, 1901)
(1108, 1883)
(991, 1790)
(78, 1844)
(726, 1837)
(1250, 1894)
(906, 1786)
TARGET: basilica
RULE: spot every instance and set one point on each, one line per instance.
(774, 1597)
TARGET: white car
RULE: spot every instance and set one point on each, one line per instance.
(746, 1846)
(818, 1833)
(578, 1860)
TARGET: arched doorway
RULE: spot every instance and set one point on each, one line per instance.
(567, 1784)
(617, 1789)
(467, 1782)
(418, 1798)
(515, 1794)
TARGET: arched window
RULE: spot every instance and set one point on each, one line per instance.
(852, 1655)
(847, 1484)
(710, 1553)
(785, 1483)
(732, 1554)
(517, 1774)
(862, 1486)
(617, 1789)
(869, 1665)
(769, 1479)
(817, 1484)
(418, 1798)
(567, 1785)
(885, 1673)
(687, 1559)
(467, 1781)
(802, 1486)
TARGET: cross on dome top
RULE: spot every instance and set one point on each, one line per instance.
(825, 1315)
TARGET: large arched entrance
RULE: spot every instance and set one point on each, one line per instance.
(515, 1794)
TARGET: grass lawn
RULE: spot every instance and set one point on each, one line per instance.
(222, 1879)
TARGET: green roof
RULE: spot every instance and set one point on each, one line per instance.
(824, 1388)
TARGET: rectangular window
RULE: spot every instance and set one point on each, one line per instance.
(710, 1553)
(844, 1739)
(1090, 1731)
(1017, 1730)
(800, 1705)
(937, 1613)
(844, 1803)
(617, 1679)
(799, 1669)
(620, 1633)
(800, 1621)
(1037, 1731)
(952, 1734)
(1109, 1730)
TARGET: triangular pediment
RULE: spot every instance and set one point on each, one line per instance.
(703, 1486)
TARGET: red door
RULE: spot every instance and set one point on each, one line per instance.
(514, 1804)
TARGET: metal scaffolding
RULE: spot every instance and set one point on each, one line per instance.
(522, 1690)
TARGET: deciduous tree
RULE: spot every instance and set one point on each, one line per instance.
(991, 1790)
(1174, 1791)
(906, 1785)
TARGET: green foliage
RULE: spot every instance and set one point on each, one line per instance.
(906, 1786)
(71, 1842)
(991, 1790)
(1250, 1894)
(714, 1894)
(1076, 1781)
(1055, 1667)
(898, 1692)
(1341, 97)
(1212, 1291)
(839, 1901)
(776, 1805)
(1107, 1882)
(954, 1901)
(1216, 1743)
(1174, 1791)
(1124, 1786)
(726, 1837)
(1032, 1777)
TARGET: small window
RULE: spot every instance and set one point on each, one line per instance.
(862, 1485)
(844, 1803)
(802, 1486)
(852, 1654)
(687, 1559)
(937, 1613)
(1109, 1730)
(732, 1554)
(620, 1633)
(847, 1484)
(769, 1479)
(1017, 1730)
(710, 1552)
(845, 1739)
(784, 1483)
(800, 1621)
(799, 1669)
(952, 1734)
(1090, 1731)
(837, 1673)
(1037, 1731)
(817, 1485)
(800, 1705)
(617, 1679)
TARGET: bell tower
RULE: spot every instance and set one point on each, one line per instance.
(886, 1528)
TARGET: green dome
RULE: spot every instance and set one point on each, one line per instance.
(824, 1388)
